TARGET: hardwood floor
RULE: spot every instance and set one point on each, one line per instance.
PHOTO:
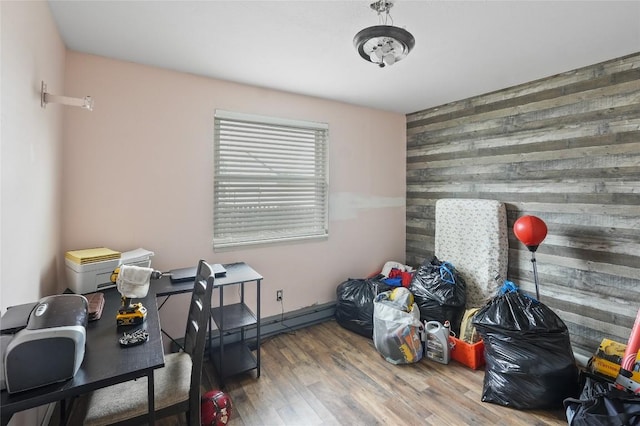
(326, 375)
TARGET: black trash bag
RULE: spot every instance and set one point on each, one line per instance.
(528, 355)
(354, 309)
(440, 293)
(601, 404)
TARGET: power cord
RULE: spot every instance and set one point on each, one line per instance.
(291, 331)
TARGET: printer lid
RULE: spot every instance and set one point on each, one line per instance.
(16, 318)
(60, 310)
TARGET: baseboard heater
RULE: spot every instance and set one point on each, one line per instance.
(294, 320)
(274, 325)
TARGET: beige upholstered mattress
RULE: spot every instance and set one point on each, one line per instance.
(472, 235)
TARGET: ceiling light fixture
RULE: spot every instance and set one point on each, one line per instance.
(383, 44)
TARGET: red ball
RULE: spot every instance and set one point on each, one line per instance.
(215, 408)
(530, 230)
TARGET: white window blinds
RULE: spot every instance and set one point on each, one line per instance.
(270, 180)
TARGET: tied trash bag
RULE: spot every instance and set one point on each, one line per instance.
(397, 327)
(439, 291)
(601, 404)
(354, 310)
(528, 355)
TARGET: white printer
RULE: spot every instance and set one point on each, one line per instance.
(51, 347)
(93, 273)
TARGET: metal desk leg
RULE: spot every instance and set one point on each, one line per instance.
(162, 330)
(63, 412)
(258, 327)
(151, 398)
(221, 341)
(209, 327)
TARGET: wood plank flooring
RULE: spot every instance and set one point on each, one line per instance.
(326, 375)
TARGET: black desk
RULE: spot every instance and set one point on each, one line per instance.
(105, 363)
(236, 273)
(234, 358)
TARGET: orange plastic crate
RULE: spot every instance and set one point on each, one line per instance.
(469, 354)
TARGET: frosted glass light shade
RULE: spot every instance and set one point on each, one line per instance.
(383, 44)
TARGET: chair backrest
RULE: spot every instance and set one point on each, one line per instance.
(196, 333)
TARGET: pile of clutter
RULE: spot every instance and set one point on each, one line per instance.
(422, 313)
(436, 288)
(396, 274)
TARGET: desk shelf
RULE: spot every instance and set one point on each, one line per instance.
(234, 358)
(237, 358)
(232, 317)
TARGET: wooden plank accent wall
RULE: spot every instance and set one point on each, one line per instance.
(564, 148)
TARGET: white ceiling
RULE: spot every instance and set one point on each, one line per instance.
(463, 48)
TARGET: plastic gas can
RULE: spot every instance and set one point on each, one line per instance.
(437, 342)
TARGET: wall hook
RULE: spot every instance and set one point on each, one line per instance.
(48, 98)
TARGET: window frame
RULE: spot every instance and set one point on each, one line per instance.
(239, 135)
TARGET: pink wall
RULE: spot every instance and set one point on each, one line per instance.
(32, 51)
(138, 172)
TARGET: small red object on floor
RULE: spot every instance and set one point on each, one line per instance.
(215, 408)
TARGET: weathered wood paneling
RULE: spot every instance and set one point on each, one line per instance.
(564, 148)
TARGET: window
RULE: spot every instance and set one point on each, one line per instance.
(270, 180)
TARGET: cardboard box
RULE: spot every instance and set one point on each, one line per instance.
(469, 354)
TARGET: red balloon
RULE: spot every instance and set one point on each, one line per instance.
(530, 230)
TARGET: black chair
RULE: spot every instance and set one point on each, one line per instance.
(176, 385)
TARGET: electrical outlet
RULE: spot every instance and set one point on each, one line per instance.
(279, 295)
